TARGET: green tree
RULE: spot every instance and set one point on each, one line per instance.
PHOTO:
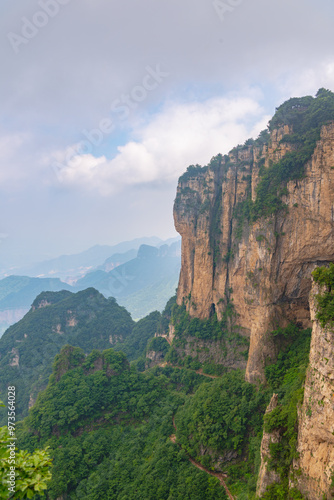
(25, 475)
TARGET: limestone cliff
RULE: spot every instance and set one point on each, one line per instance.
(263, 266)
(267, 477)
(316, 417)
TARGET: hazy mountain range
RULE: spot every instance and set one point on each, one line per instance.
(140, 276)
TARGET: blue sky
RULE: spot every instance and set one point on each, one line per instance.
(167, 83)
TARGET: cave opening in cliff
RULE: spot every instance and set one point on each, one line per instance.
(212, 310)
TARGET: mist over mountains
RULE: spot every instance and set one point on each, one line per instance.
(140, 276)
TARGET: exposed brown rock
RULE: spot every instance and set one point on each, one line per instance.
(16, 358)
(71, 320)
(269, 266)
(316, 417)
(113, 339)
(227, 353)
(168, 336)
(42, 303)
(57, 329)
(267, 477)
(32, 401)
(154, 358)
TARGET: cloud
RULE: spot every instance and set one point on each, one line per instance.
(181, 134)
(309, 80)
(91, 52)
(65, 79)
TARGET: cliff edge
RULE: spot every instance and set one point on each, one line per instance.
(256, 222)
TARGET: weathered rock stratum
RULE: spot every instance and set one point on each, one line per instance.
(266, 476)
(316, 417)
(264, 266)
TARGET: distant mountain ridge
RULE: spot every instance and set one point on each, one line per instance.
(142, 284)
(17, 294)
(68, 267)
(142, 280)
(85, 319)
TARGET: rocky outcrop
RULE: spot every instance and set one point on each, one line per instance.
(169, 336)
(57, 329)
(315, 466)
(15, 361)
(229, 354)
(32, 401)
(41, 303)
(113, 339)
(267, 477)
(264, 267)
(71, 320)
(154, 358)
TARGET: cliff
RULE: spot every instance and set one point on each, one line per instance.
(256, 222)
(316, 416)
(266, 476)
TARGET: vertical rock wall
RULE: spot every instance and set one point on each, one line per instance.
(315, 465)
(266, 267)
(266, 476)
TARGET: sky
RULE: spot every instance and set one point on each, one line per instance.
(104, 104)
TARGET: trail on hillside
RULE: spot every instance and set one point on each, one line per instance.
(199, 372)
(218, 475)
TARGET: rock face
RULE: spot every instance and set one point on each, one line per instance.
(154, 358)
(267, 477)
(264, 267)
(227, 354)
(169, 336)
(15, 361)
(316, 417)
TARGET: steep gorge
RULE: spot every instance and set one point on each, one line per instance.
(261, 266)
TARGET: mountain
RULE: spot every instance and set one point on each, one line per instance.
(256, 222)
(116, 260)
(73, 266)
(154, 275)
(17, 294)
(85, 319)
(108, 429)
(142, 284)
(233, 396)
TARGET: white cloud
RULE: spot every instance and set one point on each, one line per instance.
(309, 80)
(181, 134)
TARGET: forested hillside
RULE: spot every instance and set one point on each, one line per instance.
(108, 427)
(27, 349)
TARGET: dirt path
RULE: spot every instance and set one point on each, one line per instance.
(200, 371)
(218, 475)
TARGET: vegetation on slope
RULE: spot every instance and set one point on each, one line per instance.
(108, 426)
(22, 474)
(222, 423)
(134, 345)
(324, 276)
(188, 329)
(306, 116)
(286, 378)
(85, 319)
(108, 429)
